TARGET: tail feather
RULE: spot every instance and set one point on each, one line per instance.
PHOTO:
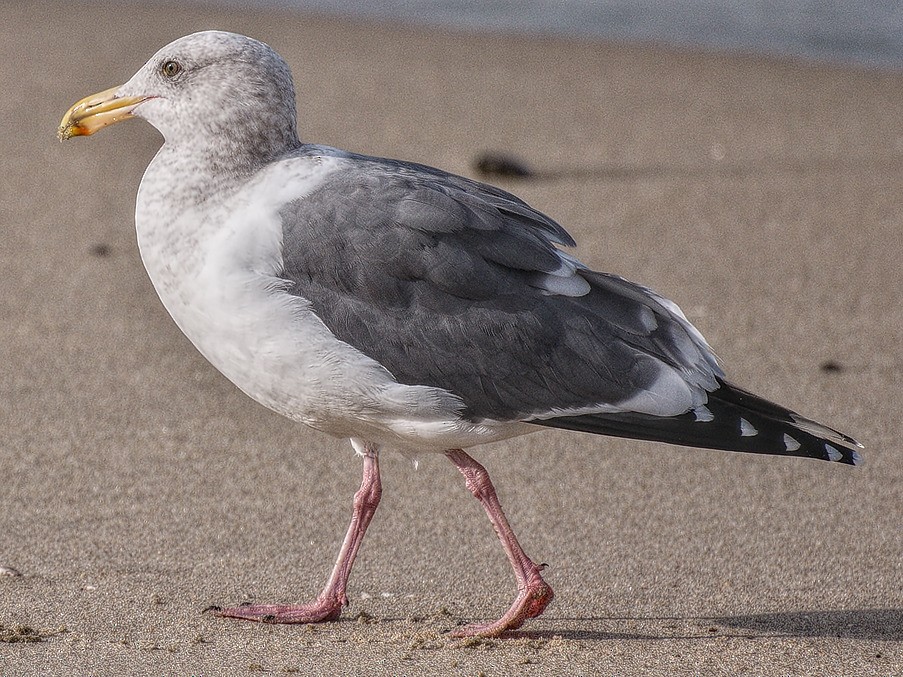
(733, 420)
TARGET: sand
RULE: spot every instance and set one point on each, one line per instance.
(138, 486)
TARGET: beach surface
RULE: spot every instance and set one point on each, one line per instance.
(138, 486)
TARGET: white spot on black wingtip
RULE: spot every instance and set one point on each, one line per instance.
(702, 414)
(833, 453)
(790, 443)
(747, 429)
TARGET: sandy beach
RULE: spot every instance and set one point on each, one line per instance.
(138, 486)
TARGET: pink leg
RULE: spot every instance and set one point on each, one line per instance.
(328, 604)
(533, 593)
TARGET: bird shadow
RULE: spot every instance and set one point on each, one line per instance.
(859, 624)
(513, 168)
(866, 624)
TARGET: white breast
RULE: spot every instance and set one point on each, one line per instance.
(215, 269)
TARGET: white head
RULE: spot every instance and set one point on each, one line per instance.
(211, 90)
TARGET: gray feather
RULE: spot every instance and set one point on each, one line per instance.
(435, 277)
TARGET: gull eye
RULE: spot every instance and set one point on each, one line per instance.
(171, 69)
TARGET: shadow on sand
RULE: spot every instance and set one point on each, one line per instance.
(493, 166)
(861, 624)
(873, 624)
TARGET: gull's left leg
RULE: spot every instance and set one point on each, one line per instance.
(328, 604)
(533, 593)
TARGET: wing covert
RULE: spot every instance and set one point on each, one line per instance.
(451, 283)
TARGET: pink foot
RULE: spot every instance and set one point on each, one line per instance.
(530, 602)
(316, 612)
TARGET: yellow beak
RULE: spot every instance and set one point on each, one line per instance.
(96, 112)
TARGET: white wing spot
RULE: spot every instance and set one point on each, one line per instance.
(833, 454)
(647, 318)
(747, 429)
(790, 443)
(703, 415)
(573, 285)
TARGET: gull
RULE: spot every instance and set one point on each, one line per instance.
(401, 306)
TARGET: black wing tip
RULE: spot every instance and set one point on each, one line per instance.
(731, 420)
(686, 430)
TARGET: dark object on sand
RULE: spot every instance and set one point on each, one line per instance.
(492, 164)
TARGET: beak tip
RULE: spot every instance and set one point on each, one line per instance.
(68, 130)
(69, 126)
(95, 112)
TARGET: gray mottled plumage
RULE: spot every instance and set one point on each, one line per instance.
(445, 281)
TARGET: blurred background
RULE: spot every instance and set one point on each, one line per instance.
(865, 32)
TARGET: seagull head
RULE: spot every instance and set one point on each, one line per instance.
(206, 88)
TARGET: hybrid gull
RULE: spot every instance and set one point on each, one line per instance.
(399, 305)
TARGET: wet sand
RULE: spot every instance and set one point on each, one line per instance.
(137, 486)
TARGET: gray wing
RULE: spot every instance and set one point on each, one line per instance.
(451, 283)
